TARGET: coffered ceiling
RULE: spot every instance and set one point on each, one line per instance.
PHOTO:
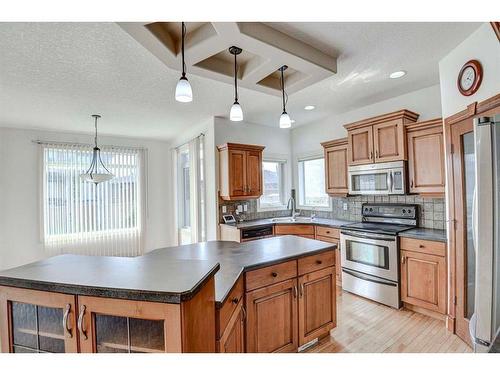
(55, 75)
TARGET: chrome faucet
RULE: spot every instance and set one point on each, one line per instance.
(291, 206)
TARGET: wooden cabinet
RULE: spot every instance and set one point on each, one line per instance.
(332, 235)
(233, 338)
(336, 167)
(317, 304)
(423, 274)
(426, 172)
(378, 139)
(272, 322)
(37, 322)
(240, 171)
(301, 230)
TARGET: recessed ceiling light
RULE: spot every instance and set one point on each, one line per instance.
(309, 107)
(398, 74)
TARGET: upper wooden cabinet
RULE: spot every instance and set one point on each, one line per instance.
(336, 166)
(379, 139)
(426, 172)
(240, 171)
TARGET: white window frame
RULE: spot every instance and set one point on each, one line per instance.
(300, 184)
(283, 185)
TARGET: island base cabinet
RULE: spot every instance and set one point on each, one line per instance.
(233, 338)
(272, 324)
(37, 322)
(317, 304)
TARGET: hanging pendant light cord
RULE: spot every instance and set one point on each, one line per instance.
(284, 94)
(235, 80)
(95, 138)
(183, 32)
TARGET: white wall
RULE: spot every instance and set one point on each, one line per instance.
(20, 241)
(482, 45)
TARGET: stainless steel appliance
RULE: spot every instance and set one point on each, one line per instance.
(250, 234)
(486, 232)
(370, 251)
(378, 178)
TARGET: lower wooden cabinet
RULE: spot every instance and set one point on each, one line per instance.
(233, 338)
(423, 280)
(272, 321)
(317, 304)
(37, 322)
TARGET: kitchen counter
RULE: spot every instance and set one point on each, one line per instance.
(425, 234)
(336, 223)
(235, 258)
(140, 278)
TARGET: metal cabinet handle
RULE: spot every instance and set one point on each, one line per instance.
(403, 259)
(274, 274)
(376, 154)
(318, 261)
(65, 321)
(411, 183)
(371, 154)
(80, 322)
(235, 300)
(301, 290)
(244, 313)
(295, 291)
(421, 246)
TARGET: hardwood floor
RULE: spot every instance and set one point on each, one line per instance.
(364, 326)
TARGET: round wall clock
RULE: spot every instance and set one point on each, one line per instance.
(470, 77)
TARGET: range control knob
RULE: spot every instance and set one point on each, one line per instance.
(404, 211)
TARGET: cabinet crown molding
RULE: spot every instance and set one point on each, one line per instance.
(335, 142)
(404, 114)
(422, 125)
(240, 146)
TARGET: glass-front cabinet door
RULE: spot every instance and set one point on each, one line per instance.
(38, 322)
(124, 326)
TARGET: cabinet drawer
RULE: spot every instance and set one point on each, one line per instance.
(316, 262)
(294, 229)
(423, 246)
(327, 239)
(271, 275)
(328, 232)
(229, 306)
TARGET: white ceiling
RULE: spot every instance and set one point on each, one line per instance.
(55, 75)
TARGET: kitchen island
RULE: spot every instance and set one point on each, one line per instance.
(266, 296)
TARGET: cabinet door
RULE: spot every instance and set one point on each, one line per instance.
(360, 146)
(423, 280)
(426, 161)
(121, 326)
(233, 338)
(272, 324)
(253, 173)
(37, 322)
(389, 141)
(317, 304)
(338, 265)
(336, 170)
(237, 173)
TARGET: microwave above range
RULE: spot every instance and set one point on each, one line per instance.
(377, 179)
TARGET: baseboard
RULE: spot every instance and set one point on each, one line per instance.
(423, 311)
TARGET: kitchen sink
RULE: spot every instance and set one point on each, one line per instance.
(291, 219)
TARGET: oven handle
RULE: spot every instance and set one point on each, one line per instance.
(357, 275)
(352, 234)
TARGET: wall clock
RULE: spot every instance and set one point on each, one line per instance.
(470, 77)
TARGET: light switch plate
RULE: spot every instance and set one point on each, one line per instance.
(345, 207)
(224, 209)
(245, 207)
(240, 208)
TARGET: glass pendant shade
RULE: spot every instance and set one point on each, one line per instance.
(236, 113)
(285, 121)
(183, 91)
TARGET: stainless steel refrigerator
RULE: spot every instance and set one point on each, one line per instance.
(485, 321)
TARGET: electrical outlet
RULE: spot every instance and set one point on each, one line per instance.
(345, 206)
(245, 207)
(224, 209)
(239, 208)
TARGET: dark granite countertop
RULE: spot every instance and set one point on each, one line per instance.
(336, 223)
(425, 234)
(141, 278)
(235, 258)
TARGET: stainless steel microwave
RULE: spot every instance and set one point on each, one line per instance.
(377, 179)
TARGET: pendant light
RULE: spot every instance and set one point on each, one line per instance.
(97, 172)
(183, 92)
(285, 121)
(236, 113)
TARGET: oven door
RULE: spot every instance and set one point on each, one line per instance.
(377, 179)
(370, 253)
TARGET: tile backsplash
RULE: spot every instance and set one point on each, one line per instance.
(431, 212)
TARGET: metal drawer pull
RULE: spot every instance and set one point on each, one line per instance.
(301, 290)
(318, 261)
(80, 322)
(244, 312)
(403, 259)
(65, 320)
(295, 291)
(421, 246)
(274, 274)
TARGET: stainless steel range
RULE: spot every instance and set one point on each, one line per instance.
(370, 251)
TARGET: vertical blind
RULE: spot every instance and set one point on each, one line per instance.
(83, 218)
